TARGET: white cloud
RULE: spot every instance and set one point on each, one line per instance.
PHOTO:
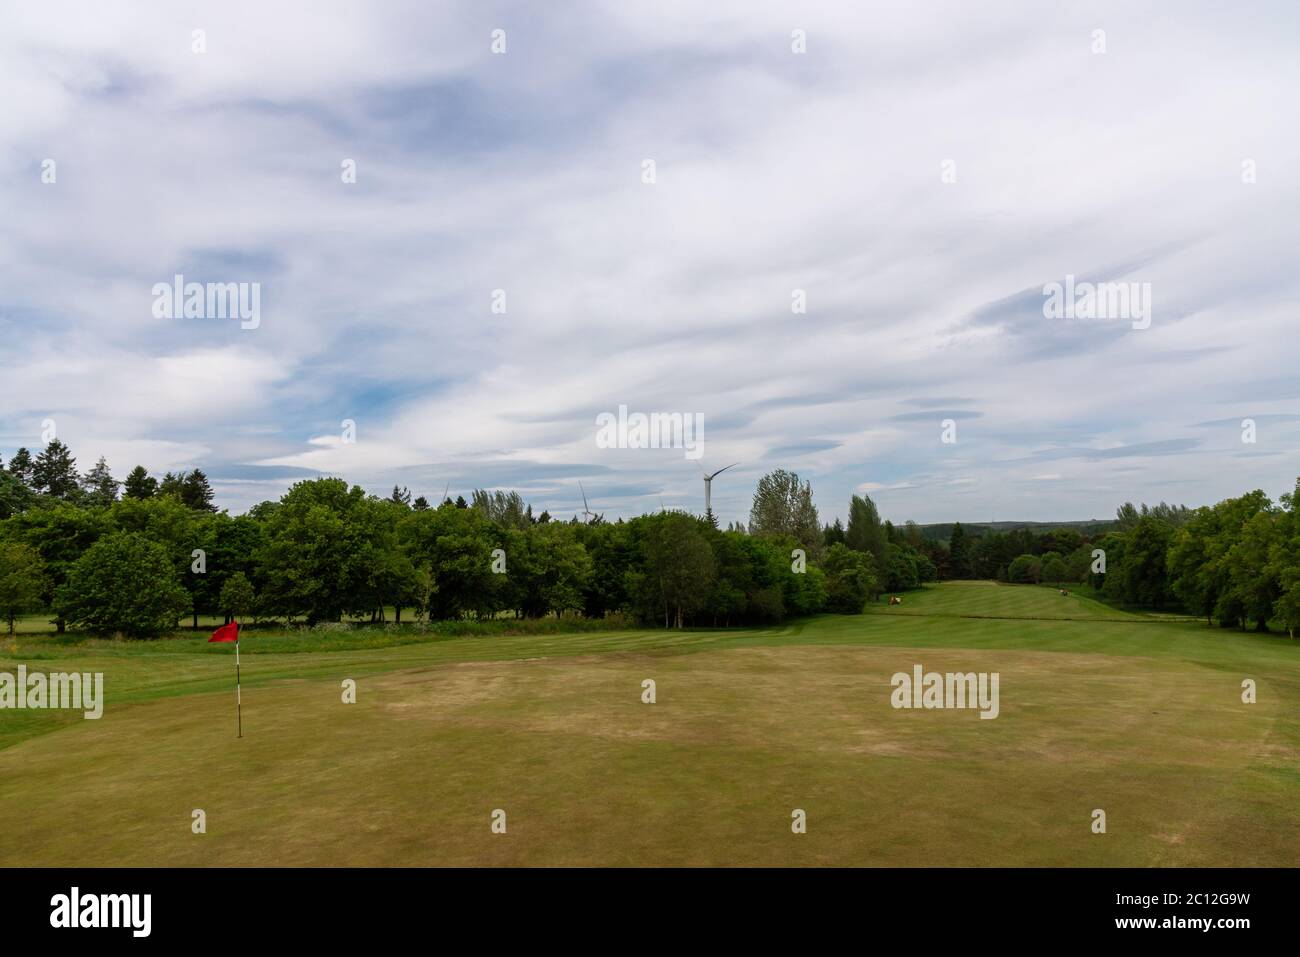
(776, 172)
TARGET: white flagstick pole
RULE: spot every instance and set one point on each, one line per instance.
(239, 705)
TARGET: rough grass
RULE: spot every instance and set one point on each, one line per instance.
(1104, 709)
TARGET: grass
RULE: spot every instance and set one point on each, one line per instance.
(999, 600)
(1100, 708)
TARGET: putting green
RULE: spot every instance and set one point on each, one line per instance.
(1139, 717)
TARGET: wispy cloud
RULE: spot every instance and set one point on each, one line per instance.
(776, 172)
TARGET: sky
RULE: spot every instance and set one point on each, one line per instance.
(501, 273)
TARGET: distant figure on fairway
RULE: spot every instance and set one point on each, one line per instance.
(895, 600)
(1064, 592)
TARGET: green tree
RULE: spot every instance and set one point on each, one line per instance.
(61, 533)
(310, 537)
(172, 485)
(1126, 516)
(833, 534)
(1077, 564)
(783, 508)
(1253, 578)
(1288, 603)
(1284, 561)
(865, 532)
(679, 565)
(926, 570)
(1063, 541)
(22, 580)
(230, 546)
(613, 552)
(850, 581)
(166, 521)
(1054, 570)
(959, 552)
(506, 509)
(378, 571)
(733, 578)
(1024, 569)
(1193, 576)
(15, 497)
(423, 586)
(549, 569)
(456, 544)
(805, 592)
(54, 473)
(1206, 575)
(769, 573)
(901, 572)
(237, 597)
(20, 467)
(123, 583)
(1143, 570)
(100, 486)
(196, 492)
(139, 484)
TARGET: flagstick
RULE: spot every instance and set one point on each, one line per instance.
(239, 705)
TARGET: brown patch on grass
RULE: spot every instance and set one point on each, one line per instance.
(708, 775)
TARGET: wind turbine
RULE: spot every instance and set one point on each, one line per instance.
(587, 512)
(708, 487)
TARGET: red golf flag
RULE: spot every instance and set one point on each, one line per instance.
(228, 632)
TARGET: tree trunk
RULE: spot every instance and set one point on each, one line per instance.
(196, 621)
(397, 615)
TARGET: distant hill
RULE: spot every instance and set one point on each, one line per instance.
(943, 530)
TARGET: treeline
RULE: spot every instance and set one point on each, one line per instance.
(134, 557)
(1236, 563)
(325, 552)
